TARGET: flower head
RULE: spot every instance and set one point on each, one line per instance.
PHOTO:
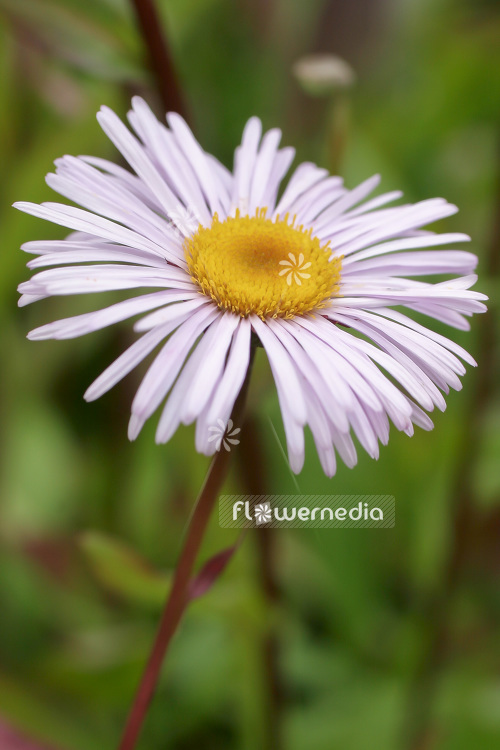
(318, 275)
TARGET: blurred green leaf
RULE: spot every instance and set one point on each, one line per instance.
(122, 571)
(486, 470)
(73, 35)
(23, 707)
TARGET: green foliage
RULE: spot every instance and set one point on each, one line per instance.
(122, 572)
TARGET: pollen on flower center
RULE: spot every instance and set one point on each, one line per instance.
(272, 268)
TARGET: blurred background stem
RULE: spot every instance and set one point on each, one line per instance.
(337, 130)
(160, 57)
(329, 79)
(469, 522)
(255, 481)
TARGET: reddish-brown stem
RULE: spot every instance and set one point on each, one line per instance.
(160, 58)
(178, 597)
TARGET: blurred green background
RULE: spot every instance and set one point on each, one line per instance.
(387, 638)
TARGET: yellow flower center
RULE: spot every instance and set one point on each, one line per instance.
(272, 268)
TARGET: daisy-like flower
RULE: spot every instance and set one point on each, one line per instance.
(345, 358)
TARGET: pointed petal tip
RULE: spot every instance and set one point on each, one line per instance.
(89, 394)
(134, 426)
(22, 205)
(104, 110)
(160, 439)
(176, 119)
(35, 334)
(138, 101)
(296, 462)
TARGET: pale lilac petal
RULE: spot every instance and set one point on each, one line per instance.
(128, 361)
(320, 429)
(305, 176)
(414, 264)
(455, 294)
(176, 410)
(316, 199)
(67, 252)
(131, 181)
(409, 323)
(210, 368)
(209, 179)
(244, 164)
(418, 344)
(386, 225)
(318, 379)
(263, 169)
(364, 431)
(420, 418)
(291, 398)
(170, 160)
(411, 243)
(84, 221)
(283, 370)
(191, 302)
(85, 185)
(166, 367)
(294, 433)
(428, 374)
(348, 200)
(236, 368)
(345, 448)
(379, 422)
(281, 165)
(136, 156)
(399, 365)
(342, 378)
(351, 368)
(345, 344)
(28, 299)
(380, 200)
(226, 178)
(439, 312)
(104, 278)
(79, 325)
